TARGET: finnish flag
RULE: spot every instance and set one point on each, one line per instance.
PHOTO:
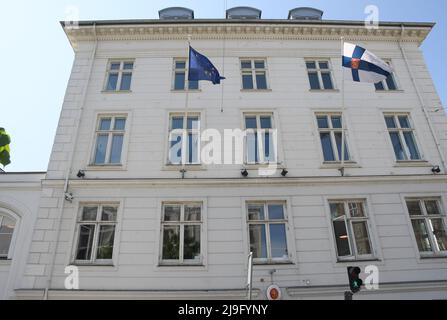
(364, 66)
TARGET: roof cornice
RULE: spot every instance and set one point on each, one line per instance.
(257, 29)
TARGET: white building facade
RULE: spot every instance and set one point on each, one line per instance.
(115, 203)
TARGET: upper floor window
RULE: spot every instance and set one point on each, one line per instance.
(267, 225)
(110, 132)
(429, 225)
(389, 84)
(254, 74)
(184, 138)
(330, 128)
(181, 233)
(119, 75)
(7, 226)
(402, 137)
(351, 231)
(319, 73)
(96, 233)
(260, 141)
(180, 75)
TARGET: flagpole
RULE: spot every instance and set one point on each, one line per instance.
(185, 130)
(343, 109)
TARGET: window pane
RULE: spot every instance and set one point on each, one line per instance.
(258, 244)
(379, 86)
(250, 123)
(314, 81)
(128, 66)
(101, 146)
(105, 242)
(341, 239)
(269, 148)
(179, 81)
(278, 241)
(171, 243)
(391, 83)
(336, 122)
(256, 212)
(109, 213)
(115, 65)
(172, 213)
(191, 249)
(89, 213)
(421, 235)
(276, 211)
(439, 234)
(117, 146)
(180, 64)
(356, 209)
(411, 144)
(323, 65)
(259, 64)
(7, 225)
(390, 123)
(125, 81)
(193, 85)
(112, 81)
(85, 243)
(193, 123)
(104, 123)
(432, 207)
(327, 80)
(120, 123)
(338, 141)
(192, 213)
(414, 208)
(252, 147)
(361, 237)
(193, 148)
(322, 122)
(266, 122)
(175, 150)
(246, 64)
(311, 65)
(326, 143)
(404, 122)
(397, 146)
(176, 123)
(247, 81)
(5, 243)
(337, 209)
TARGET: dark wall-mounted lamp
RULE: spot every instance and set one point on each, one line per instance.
(436, 169)
(244, 173)
(81, 174)
(284, 172)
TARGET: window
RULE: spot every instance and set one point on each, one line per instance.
(351, 231)
(184, 139)
(180, 72)
(402, 137)
(319, 73)
(267, 225)
(260, 141)
(254, 74)
(330, 128)
(119, 75)
(181, 233)
(96, 233)
(389, 84)
(109, 140)
(429, 225)
(7, 225)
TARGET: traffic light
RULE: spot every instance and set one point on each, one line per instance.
(354, 280)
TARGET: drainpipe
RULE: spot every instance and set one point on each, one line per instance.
(421, 100)
(69, 168)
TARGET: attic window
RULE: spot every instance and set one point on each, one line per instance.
(176, 13)
(305, 13)
(243, 13)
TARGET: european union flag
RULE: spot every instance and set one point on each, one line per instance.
(201, 68)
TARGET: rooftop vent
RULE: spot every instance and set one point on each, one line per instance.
(305, 13)
(243, 13)
(176, 13)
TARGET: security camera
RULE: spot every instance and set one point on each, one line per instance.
(436, 169)
(81, 174)
(69, 197)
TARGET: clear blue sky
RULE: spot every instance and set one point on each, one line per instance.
(36, 56)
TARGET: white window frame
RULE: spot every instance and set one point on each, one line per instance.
(186, 84)
(319, 71)
(267, 222)
(182, 223)
(253, 72)
(6, 213)
(185, 133)
(426, 218)
(120, 73)
(111, 132)
(332, 132)
(348, 223)
(259, 132)
(384, 82)
(98, 222)
(400, 131)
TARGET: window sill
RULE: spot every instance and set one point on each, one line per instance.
(412, 163)
(337, 165)
(271, 263)
(5, 262)
(80, 264)
(188, 265)
(116, 91)
(188, 167)
(106, 167)
(390, 91)
(359, 260)
(324, 90)
(434, 256)
(185, 91)
(256, 90)
(256, 166)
